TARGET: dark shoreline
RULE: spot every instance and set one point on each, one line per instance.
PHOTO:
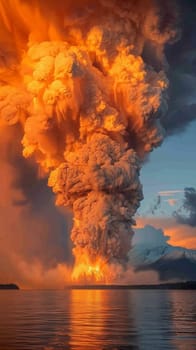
(11, 286)
(179, 285)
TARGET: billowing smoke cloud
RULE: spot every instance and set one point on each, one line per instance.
(187, 213)
(86, 81)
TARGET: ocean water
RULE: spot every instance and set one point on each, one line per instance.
(98, 319)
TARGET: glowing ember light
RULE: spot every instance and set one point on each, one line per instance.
(85, 273)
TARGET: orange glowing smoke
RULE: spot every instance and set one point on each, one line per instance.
(73, 75)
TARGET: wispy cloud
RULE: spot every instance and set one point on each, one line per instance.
(169, 193)
(171, 201)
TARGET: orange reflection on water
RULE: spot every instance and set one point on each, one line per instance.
(183, 319)
(99, 319)
(87, 317)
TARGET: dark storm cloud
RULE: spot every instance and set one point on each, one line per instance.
(189, 207)
(182, 72)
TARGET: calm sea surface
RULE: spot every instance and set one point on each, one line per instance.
(97, 319)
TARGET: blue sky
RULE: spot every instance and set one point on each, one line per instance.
(172, 166)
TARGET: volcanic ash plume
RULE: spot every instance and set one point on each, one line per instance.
(74, 76)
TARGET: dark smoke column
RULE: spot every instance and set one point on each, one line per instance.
(101, 184)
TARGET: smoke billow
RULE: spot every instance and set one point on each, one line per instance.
(86, 81)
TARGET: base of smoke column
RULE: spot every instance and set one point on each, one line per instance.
(189, 285)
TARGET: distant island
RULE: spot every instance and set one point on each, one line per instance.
(9, 286)
(189, 285)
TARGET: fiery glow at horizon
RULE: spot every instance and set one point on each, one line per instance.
(86, 272)
(86, 81)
